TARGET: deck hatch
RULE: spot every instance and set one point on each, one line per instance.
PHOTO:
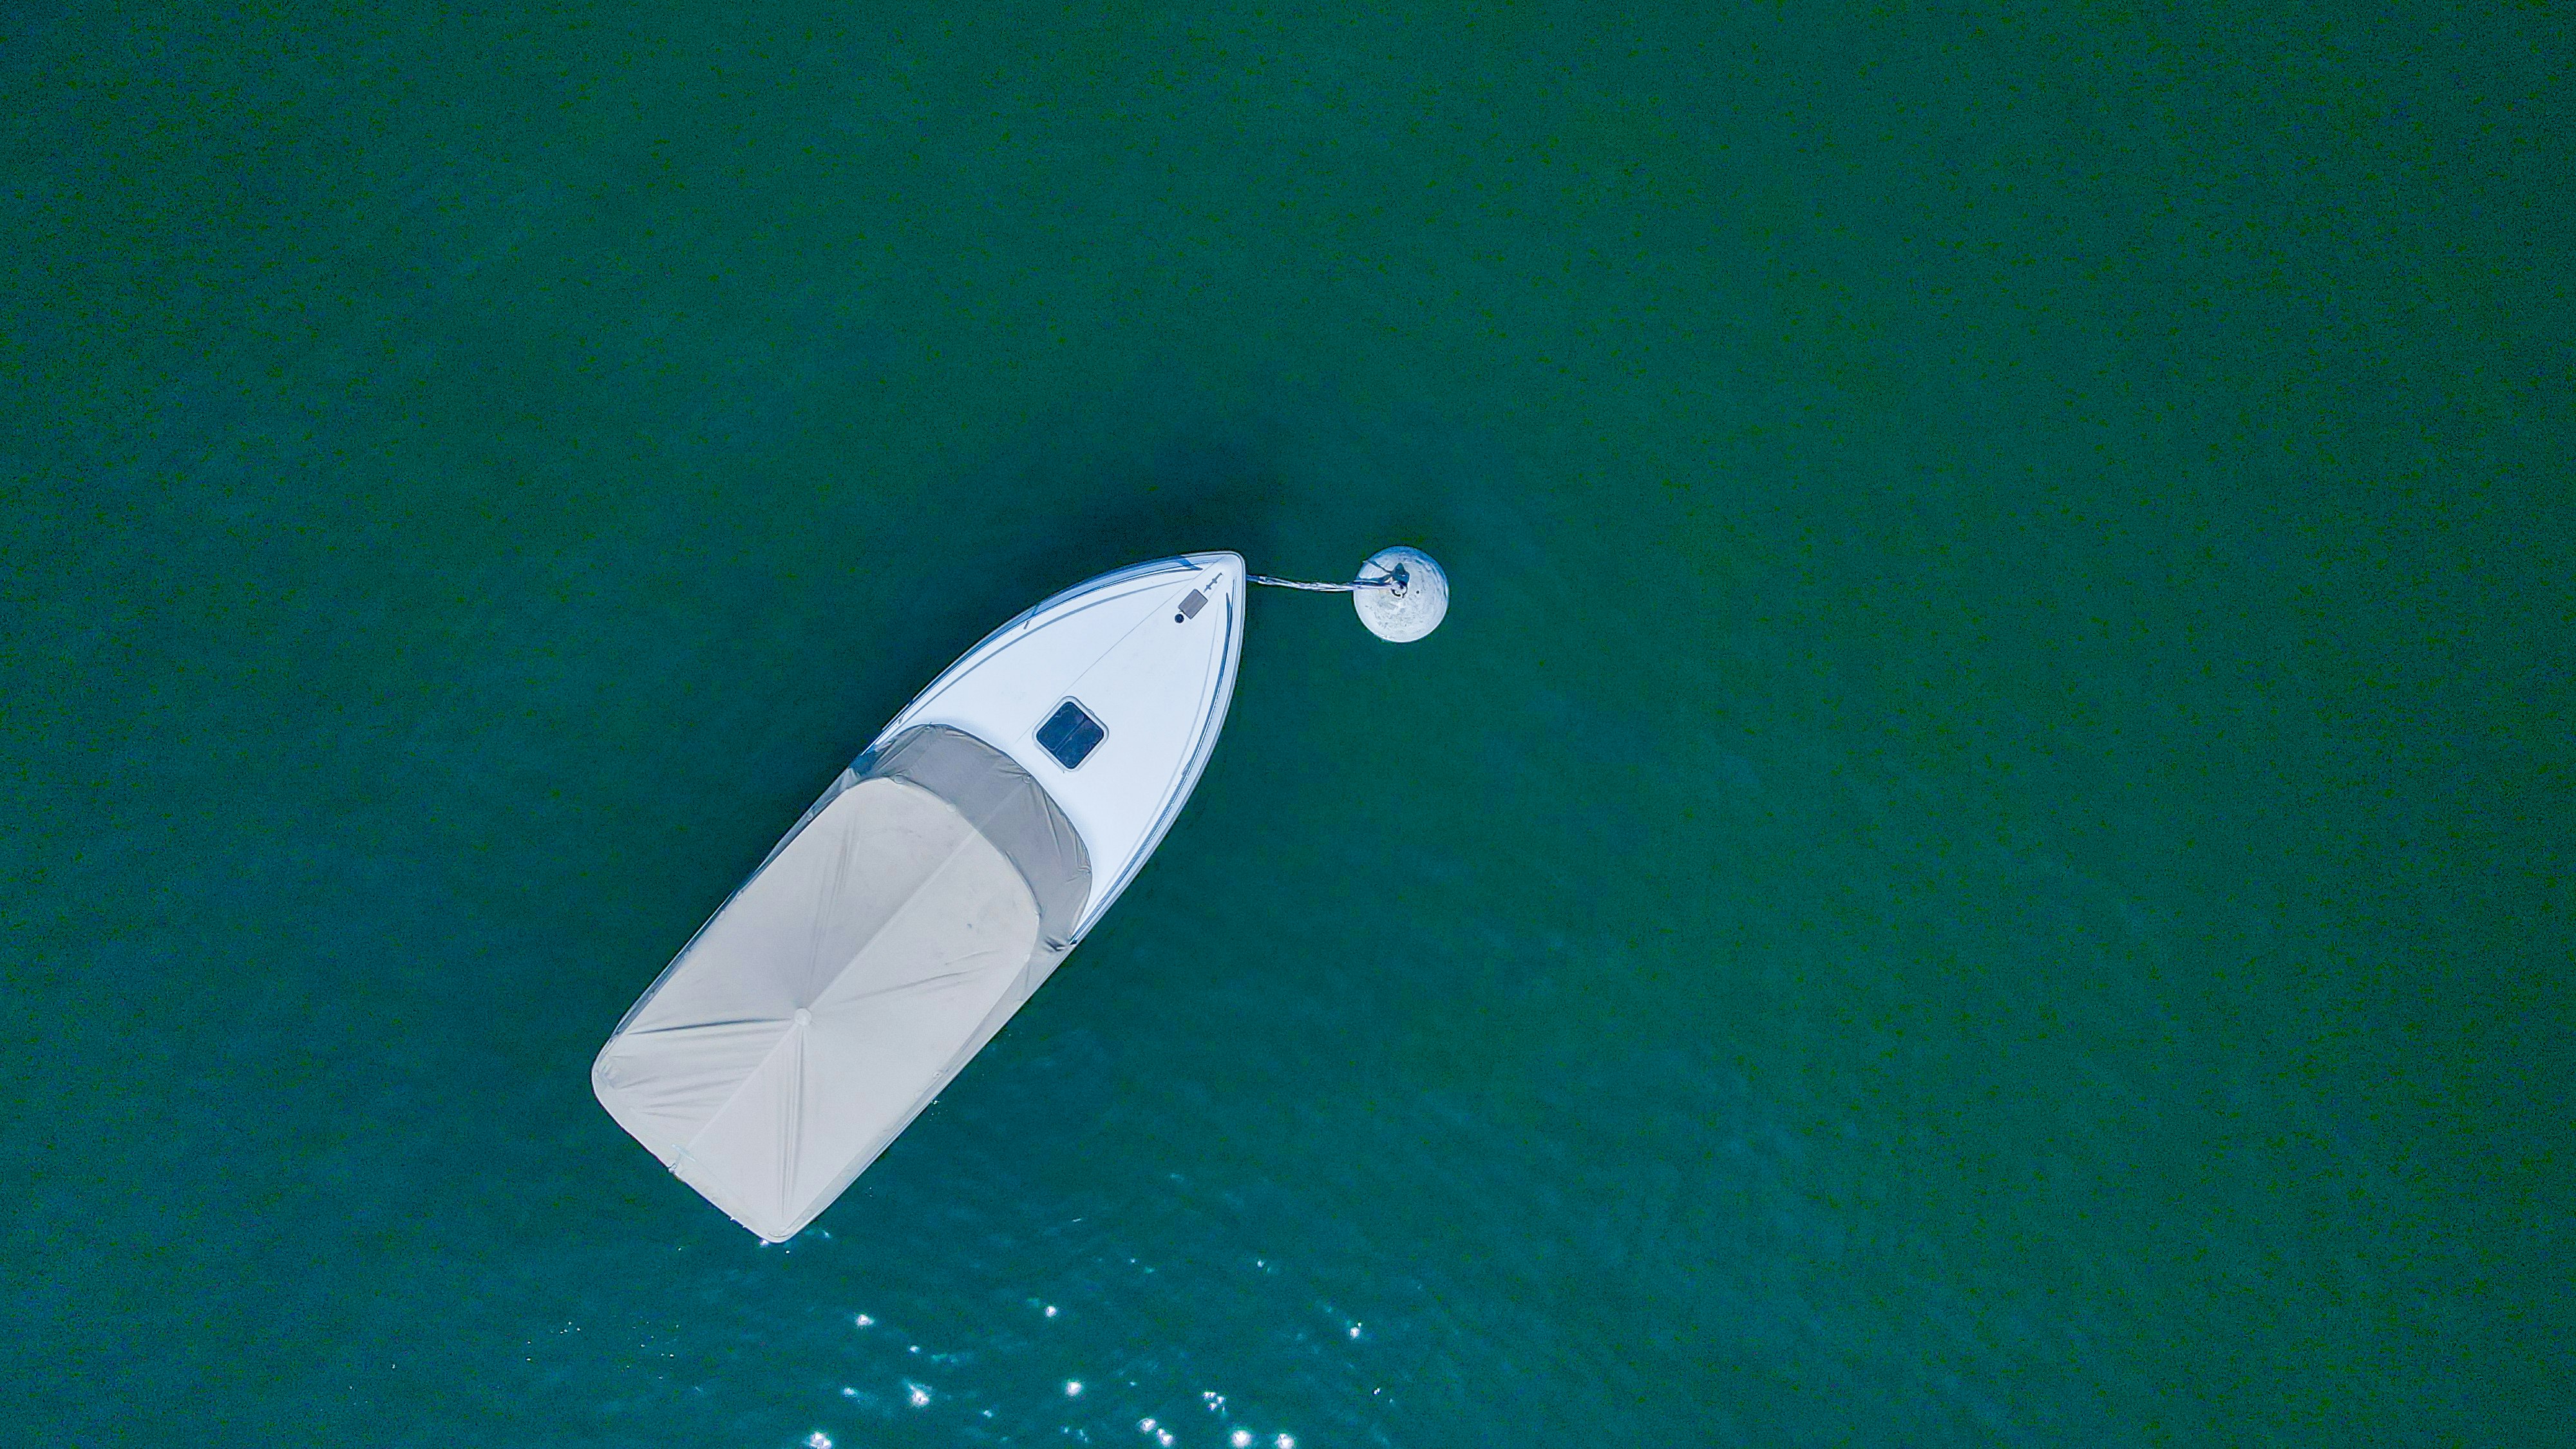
(1070, 734)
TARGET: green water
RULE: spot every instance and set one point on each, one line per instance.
(1983, 857)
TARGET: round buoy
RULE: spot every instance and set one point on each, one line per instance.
(1413, 606)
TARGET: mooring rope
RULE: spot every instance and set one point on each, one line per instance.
(1382, 581)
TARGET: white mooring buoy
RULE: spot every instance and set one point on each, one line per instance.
(1411, 604)
(1400, 594)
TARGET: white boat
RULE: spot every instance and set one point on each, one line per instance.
(936, 885)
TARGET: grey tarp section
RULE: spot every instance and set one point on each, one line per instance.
(880, 946)
(1008, 806)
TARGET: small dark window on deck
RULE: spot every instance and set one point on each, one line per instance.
(1070, 734)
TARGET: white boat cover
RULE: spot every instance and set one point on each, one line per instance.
(881, 945)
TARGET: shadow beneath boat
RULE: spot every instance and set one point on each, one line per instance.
(1058, 518)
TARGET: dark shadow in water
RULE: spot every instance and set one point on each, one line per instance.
(1064, 511)
(1298, 483)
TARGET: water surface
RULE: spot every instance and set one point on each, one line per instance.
(1982, 857)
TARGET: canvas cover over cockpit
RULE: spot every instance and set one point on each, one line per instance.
(879, 947)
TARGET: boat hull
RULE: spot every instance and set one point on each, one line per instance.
(928, 893)
(1158, 676)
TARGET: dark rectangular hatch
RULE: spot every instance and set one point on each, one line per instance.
(1070, 734)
